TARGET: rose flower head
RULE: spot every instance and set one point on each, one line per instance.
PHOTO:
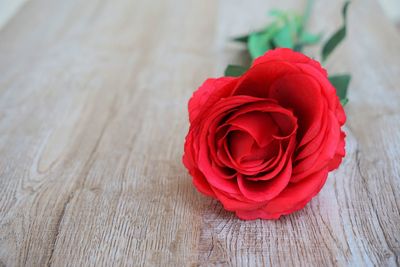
(263, 143)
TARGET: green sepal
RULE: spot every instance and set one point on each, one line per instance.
(341, 83)
(337, 37)
(283, 38)
(298, 22)
(234, 70)
(344, 101)
(258, 44)
(309, 38)
(261, 42)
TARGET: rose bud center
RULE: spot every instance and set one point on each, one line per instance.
(255, 141)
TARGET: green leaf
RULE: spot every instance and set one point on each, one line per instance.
(241, 39)
(293, 22)
(298, 22)
(286, 28)
(284, 37)
(341, 83)
(344, 101)
(258, 44)
(337, 37)
(309, 39)
(234, 70)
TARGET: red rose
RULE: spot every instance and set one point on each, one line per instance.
(263, 143)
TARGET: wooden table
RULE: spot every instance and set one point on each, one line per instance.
(92, 122)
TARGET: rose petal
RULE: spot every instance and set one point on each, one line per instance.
(306, 103)
(201, 183)
(265, 190)
(224, 172)
(340, 153)
(258, 124)
(234, 202)
(328, 91)
(288, 55)
(258, 79)
(202, 95)
(265, 153)
(264, 171)
(286, 124)
(307, 149)
(280, 163)
(204, 161)
(296, 195)
(240, 144)
(321, 158)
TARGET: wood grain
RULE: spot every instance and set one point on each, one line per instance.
(8, 8)
(92, 121)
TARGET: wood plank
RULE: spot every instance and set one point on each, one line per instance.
(92, 119)
(8, 8)
(391, 9)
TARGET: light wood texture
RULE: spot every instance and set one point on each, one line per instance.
(8, 8)
(92, 122)
(391, 9)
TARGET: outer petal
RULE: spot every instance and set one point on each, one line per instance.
(207, 94)
(293, 198)
(323, 156)
(307, 104)
(340, 115)
(188, 160)
(296, 195)
(288, 55)
(257, 80)
(236, 202)
(203, 93)
(340, 153)
(201, 183)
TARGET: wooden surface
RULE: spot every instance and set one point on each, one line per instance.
(392, 10)
(8, 8)
(92, 121)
